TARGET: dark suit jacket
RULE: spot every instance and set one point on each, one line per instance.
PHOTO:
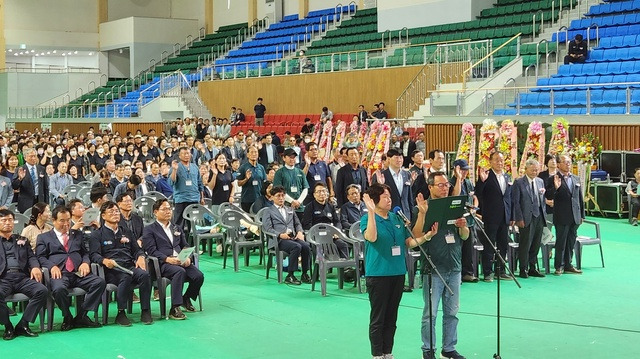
(273, 222)
(522, 199)
(156, 243)
(344, 178)
(239, 153)
(27, 196)
(495, 207)
(407, 158)
(403, 200)
(262, 155)
(24, 254)
(568, 206)
(51, 252)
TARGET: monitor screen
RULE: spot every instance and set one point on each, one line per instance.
(611, 162)
(632, 161)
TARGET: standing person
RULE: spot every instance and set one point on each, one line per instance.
(494, 194)
(113, 244)
(399, 182)
(634, 200)
(407, 146)
(568, 214)
(547, 175)
(460, 183)
(19, 273)
(436, 164)
(221, 183)
(326, 115)
(185, 179)
(362, 114)
(251, 177)
(6, 192)
(529, 214)
(268, 153)
(351, 173)
(317, 171)
(260, 110)
(444, 246)
(386, 241)
(294, 182)
(32, 182)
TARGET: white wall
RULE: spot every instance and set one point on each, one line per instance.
(31, 89)
(237, 12)
(168, 9)
(119, 64)
(396, 14)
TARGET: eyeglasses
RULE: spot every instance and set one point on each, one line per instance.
(164, 209)
(322, 192)
(442, 185)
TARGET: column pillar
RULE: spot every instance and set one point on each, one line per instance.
(253, 11)
(208, 16)
(3, 43)
(303, 8)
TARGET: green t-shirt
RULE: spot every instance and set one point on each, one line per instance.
(294, 182)
(378, 259)
(445, 256)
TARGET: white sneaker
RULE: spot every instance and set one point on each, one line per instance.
(219, 248)
(378, 357)
(388, 356)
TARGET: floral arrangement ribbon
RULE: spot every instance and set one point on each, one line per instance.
(370, 142)
(559, 143)
(324, 147)
(317, 129)
(534, 145)
(508, 146)
(341, 130)
(487, 142)
(381, 147)
(467, 148)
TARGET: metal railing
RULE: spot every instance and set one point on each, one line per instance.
(487, 61)
(49, 69)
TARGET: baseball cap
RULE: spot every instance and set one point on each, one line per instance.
(464, 165)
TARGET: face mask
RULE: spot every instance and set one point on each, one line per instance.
(73, 153)
(40, 152)
(100, 150)
(59, 152)
(122, 151)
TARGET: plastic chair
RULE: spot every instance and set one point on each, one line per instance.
(111, 288)
(27, 212)
(144, 206)
(21, 298)
(77, 293)
(321, 236)
(257, 218)
(230, 220)
(70, 192)
(196, 215)
(83, 195)
(155, 195)
(582, 241)
(84, 184)
(19, 222)
(273, 252)
(160, 282)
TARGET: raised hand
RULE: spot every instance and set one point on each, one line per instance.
(483, 174)
(557, 181)
(457, 172)
(174, 165)
(368, 202)
(414, 175)
(423, 205)
(433, 231)
(248, 174)
(214, 170)
(21, 173)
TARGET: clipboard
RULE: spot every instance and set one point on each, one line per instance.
(90, 215)
(445, 211)
(185, 253)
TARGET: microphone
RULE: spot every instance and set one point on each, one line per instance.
(397, 210)
(471, 208)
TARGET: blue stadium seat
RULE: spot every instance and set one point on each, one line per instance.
(634, 53)
(627, 67)
(616, 42)
(617, 110)
(579, 99)
(563, 98)
(601, 68)
(600, 111)
(614, 68)
(629, 41)
(560, 111)
(634, 78)
(499, 112)
(566, 70)
(596, 55)
(596, 96)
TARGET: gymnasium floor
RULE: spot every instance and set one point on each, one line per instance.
(594, 315)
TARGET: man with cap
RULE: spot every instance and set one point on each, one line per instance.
(293, 180)
(461, 186)
(577, 53)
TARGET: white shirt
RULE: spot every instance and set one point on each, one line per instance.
(167, 231)
(397, 178)
(59, 236)
(501, 181)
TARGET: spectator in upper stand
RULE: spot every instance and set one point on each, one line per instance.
(326, 115)
(308, 67)
(260, 110)
(382, 114)
(308, 127)
(407, 146)
(362, 114)
(577, 53)
(374, 113)
(634, 200)
(232, 116)
(239, 116)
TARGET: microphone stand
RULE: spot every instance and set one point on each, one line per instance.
(432, 267)
(497, 254)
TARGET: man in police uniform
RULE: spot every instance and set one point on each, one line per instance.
(577, 53)
(319, 210)
(294, 182)
(114, 246)
(19, 273)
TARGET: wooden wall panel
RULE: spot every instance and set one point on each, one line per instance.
(342, 92)
(613, 137)
(123, 128)
(74, 128)
(29, 126)
(441, 136)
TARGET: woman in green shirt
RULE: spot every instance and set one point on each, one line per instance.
(387, 240)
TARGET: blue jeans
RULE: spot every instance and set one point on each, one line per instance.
(450, 306)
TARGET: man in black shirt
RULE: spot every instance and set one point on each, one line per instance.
(114, 246)
(321, 211)
(577, 51)
(260, 110)
(307, 128)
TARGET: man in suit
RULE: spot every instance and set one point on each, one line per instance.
(352, 211)
(529, 214)
(31, 182)
(494, 194)
(399, 182)
(436, 164)
(231, 151)
(19, 273)
(268, 153)
(62, 252)
(351, 173)
(113, 244)
(284, 223)
(407, 146)
(6, 192)
(568, 214)
(164, 240)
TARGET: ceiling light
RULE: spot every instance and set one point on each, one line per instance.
(91, 54)
(15, 54)
(32, 51)
(48, 52)
(55, 51)
(63, 54)
(10, 50)
(37, 55)
(75, 52)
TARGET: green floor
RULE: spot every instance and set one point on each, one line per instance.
(594, 315)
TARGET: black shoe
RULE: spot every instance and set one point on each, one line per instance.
(9, 333)
(407, 289)
(488, 278)
(505, 276)
(429, 354)
(25, 331)
(573, 270)
(186, 304)
(122, 319)
(67, 324)
(176, 313)
(305, 278)
(145, 317)
(451, 355)
(85, 322)
(291, 279)
(535, 273)
(524, 274)
(469, 278)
